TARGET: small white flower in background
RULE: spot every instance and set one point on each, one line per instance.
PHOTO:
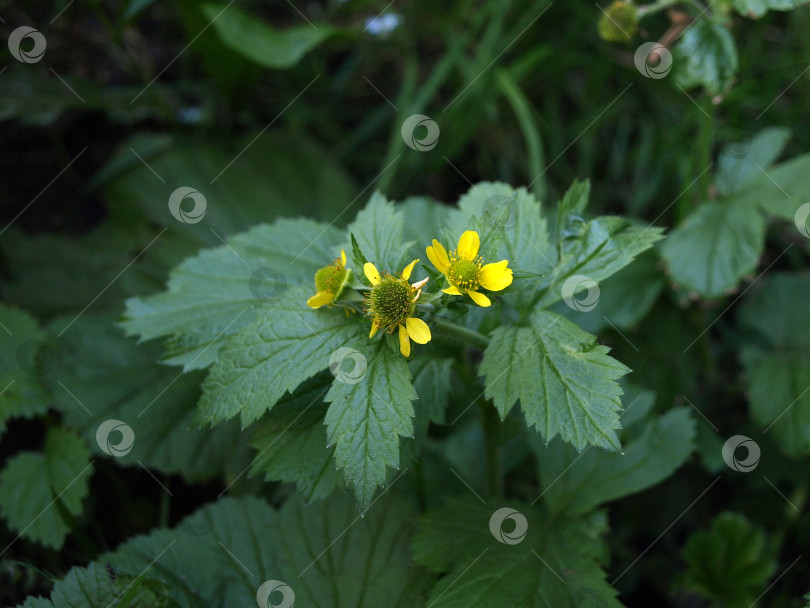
(384, 24)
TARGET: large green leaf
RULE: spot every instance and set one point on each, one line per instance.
(714, 247)
(777, 368)
(218, 292)
(378, 230)
(779, 190)
(730, 562)
(566, 382)
(261, 43)
(41, 491)
(101, 375)
(579, 482)
(226, 551)
(706, 56)
(288, 343)
(556, 562)
(366, 418)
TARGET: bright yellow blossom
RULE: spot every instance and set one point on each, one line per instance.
(330, 281)
(391, 304)
(466, 271)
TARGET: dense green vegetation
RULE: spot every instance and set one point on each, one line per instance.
(617, 416)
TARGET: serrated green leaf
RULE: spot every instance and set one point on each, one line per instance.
(714, 247)
(757, 8)
(260, 43)
(378, 229)
(422, 217)
(366, 419)
(596, 249)
(101, 375)
(778, 370)
(741, 163)
(218, 292)
(95, 587)
(555, 564)
(573, 202)
(578, 483)
(729, 562)
(288, 343)
(566, 382)
(25, 356)
(706, 56)
(35, 486)
(358, 258)
(291, 441)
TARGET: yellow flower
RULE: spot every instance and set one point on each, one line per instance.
(330, 281)
(391, 304)
(465, 270)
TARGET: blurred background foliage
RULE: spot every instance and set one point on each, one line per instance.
(295, 108)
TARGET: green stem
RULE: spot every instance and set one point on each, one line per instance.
(471, 337)
(492, 428)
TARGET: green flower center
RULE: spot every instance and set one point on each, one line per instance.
(463, 274)
(391, 302)
(330, 278)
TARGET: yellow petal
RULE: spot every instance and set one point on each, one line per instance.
(374, 328)
(479, 298)
(370, 270)
(418, 330)
(468, 245)
(406, 274)
(452, 291)
(438, 256)
(320, 299)
(343, 257)
(404, 341)
(495, 276)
